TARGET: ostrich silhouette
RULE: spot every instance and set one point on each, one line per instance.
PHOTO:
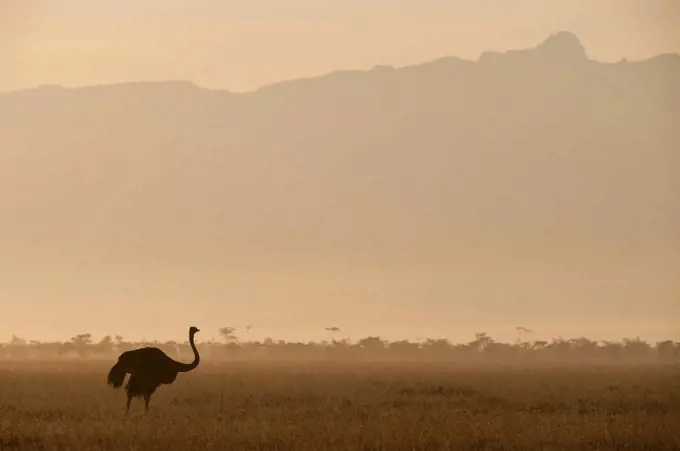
(149, 368)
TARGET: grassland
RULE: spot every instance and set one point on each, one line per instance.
(267, 406)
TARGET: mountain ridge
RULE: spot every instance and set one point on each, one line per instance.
(555, 44)
(516, 189)
(372, 159)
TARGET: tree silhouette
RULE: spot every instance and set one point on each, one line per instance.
(17, 341)
(521, 333)
(80, 344)
(105, 345)
(333, 330)
(372, 347)
(372, 344)
(636, 348)
(227, 333)
(81, 339)
(481, 341)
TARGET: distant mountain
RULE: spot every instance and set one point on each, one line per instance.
(539, 151)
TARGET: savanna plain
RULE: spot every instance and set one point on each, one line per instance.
(348, 406)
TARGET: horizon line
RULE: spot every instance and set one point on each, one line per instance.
(216, 338)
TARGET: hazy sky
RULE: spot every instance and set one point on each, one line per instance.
(241, 45)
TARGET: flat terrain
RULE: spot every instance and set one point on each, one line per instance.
(68, 406)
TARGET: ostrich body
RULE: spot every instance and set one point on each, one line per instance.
(149, 368)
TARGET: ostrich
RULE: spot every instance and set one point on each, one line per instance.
(149, 368)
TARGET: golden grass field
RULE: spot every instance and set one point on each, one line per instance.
(267, 406)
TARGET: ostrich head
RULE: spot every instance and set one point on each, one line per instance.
(193, 330)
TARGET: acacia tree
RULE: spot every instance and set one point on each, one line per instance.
(333, 330)
(105, 345)
(371, 344)
(227, 333)
(481, 341)
(80, 343)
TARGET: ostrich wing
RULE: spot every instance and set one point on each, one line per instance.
(145, 359)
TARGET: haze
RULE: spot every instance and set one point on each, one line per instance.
(535, 188)
(240, 46)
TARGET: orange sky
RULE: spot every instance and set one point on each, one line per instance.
(242, 45)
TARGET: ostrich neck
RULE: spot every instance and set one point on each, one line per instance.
(184, 367)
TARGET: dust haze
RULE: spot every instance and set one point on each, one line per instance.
(427, 172)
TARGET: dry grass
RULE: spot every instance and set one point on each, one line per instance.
(68, 406)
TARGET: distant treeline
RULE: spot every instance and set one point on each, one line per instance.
(482, 347)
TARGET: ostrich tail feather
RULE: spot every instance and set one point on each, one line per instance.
(116, 376)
